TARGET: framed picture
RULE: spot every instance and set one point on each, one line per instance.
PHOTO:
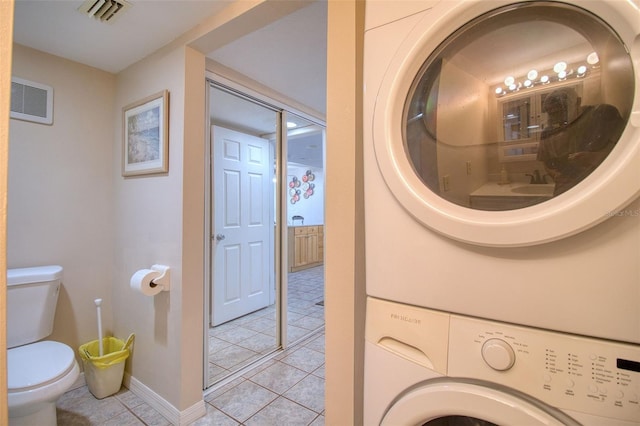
(145, 146)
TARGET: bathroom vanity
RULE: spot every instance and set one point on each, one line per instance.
(515, 195)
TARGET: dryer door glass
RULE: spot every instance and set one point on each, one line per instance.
(458, 421)
(518, 106)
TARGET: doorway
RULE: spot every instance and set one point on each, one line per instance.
(305, 227)
(253, 311)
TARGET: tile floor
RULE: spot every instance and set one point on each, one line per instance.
(286, 390)
(237, 343)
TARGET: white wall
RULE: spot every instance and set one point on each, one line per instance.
(60, 195)
(312, 208)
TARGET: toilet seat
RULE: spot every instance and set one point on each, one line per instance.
(38, 364)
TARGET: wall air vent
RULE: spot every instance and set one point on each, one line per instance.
(31, 101)
(104, 10)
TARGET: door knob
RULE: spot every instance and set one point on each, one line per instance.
(220, 237)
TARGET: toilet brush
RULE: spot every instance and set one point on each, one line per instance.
(98, 302)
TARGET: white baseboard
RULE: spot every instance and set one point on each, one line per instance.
(158, 403)
(162, 406)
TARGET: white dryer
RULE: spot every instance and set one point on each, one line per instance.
(425, 367)
(483, 197)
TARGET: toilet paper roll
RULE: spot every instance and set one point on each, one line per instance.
(141, 282)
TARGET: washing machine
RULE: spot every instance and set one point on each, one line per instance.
(427, 367)
(502, 176)
(502, 161)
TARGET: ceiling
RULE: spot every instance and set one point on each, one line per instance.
(57, 27)
(287, 56)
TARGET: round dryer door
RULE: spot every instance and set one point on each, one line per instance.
(512, 124)
(458, 402)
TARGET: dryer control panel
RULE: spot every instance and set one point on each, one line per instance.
(582, 374)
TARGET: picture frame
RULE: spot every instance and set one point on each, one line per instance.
(145, 144)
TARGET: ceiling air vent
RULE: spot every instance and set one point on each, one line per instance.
(104, 10)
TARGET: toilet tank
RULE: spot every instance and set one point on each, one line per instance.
(32, 296)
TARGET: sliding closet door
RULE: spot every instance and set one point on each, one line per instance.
(243, 324)
(305, 223)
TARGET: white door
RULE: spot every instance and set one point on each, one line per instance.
(242, 234)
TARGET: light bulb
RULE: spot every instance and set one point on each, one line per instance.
(544, 79)
(559, 67)
(498, 90)
(532, 75)
(509, 81)
(527, 83)
(582, 69)
(593, 58)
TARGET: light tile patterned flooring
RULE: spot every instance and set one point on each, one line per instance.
(286, 390)
(237, 343)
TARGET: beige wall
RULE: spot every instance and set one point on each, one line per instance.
(344, 216)
(6, 40)
(80, 212)
(460, 143)
(193, 234)
(69, 205)
(60, 193)
(149, 230)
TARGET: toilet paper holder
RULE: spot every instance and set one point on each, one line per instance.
(164, 280)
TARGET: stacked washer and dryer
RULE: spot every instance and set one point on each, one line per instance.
(502, 242)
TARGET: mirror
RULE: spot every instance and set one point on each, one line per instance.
(305, 223)
(518, 106)
(245, 289)
(243, 317)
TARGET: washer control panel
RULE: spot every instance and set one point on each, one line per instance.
(588, 375)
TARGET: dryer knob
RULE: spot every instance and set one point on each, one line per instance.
(498, 354)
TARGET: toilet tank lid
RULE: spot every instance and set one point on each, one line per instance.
(34, 274)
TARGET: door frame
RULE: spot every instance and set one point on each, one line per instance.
(280, 259)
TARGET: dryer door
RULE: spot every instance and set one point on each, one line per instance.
(513, 124)
(452, 402)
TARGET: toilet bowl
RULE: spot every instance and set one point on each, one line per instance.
(38, 371)
(38, 374)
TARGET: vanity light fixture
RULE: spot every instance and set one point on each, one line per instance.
(582, 70)
(562, 71)
(592, 58)
(560, 67)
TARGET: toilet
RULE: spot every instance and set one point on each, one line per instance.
(39, 371)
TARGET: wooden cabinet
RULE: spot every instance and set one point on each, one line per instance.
(306, 247)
